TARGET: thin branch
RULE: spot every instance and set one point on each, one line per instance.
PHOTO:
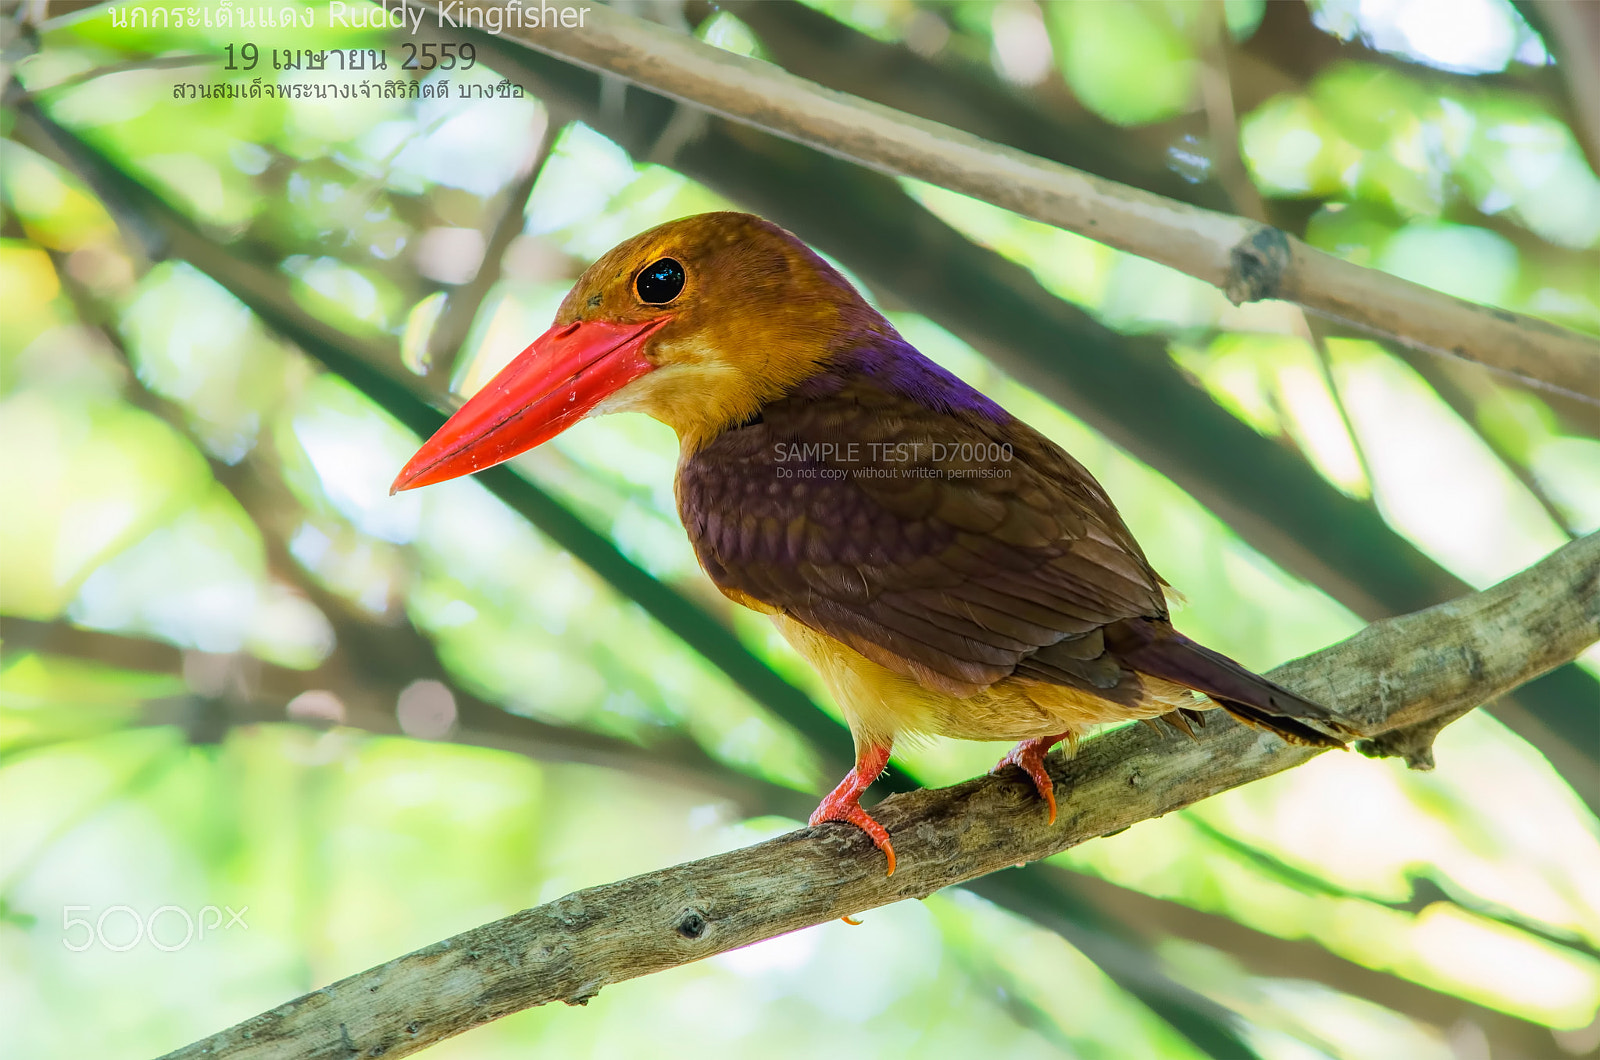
(1462, 390)
(1428, 887)
(1216, 84)
(1222, 118)
(1450, 379)
(463, 303)
(1397, 672)
(1273, 957)
(1248, 261)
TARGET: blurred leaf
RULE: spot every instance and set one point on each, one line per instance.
(45, 700)
(1128, 62)
(96, 478)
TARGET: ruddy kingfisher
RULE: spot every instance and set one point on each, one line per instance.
(946, 568)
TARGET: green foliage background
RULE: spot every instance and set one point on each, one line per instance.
(236, 673)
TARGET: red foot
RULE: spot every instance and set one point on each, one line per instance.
(1028, 756)
(844, 802)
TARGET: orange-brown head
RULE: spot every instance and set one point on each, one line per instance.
(698, 322)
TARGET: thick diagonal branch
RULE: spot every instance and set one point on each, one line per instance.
(1400, 672)
(1247, 260)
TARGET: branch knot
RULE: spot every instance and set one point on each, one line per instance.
(691, 924)
(1256, 265)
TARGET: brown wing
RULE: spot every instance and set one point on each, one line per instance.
(930, 531)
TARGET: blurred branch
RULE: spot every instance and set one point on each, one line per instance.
(1222, 119)
(463, 303)
(1462, 390)
(1288, 44)
(251, 692)
(1396, 672)
(1248, 261)
(149, 62)
(1427, 888)
(1270, 956)
(1572, 34)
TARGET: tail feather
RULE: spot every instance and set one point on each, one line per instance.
(1155, 648)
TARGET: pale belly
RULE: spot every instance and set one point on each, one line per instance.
(880, 704)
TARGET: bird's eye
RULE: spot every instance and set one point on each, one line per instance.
(660, 281)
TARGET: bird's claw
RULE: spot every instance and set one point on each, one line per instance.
(1028, 756)
(850, 811)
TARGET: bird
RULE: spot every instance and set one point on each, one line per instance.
(947, 569)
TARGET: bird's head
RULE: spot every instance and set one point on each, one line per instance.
(698, 322)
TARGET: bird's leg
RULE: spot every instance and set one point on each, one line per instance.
(1028, 756)
(844, 802)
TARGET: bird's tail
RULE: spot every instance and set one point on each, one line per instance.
(1157, 649)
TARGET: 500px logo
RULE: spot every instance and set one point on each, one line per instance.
(120, 928)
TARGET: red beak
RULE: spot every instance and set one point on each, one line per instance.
(544, 390)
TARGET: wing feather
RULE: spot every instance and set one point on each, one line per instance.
(950, 544)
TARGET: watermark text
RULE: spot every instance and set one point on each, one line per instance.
(168, 928)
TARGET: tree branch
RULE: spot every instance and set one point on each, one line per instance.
(1401, 671)
(1056, 898)
(496, 711)
(1046, 121)
(963, 94)
(1249, 261)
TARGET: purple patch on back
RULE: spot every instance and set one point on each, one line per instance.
(901, 368)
